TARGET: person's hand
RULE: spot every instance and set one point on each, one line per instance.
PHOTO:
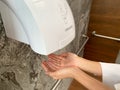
(61, 66)
(66, 72)
(63, 60)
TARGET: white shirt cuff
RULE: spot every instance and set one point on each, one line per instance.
(110, 73)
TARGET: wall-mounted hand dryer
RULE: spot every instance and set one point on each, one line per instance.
(46, 25)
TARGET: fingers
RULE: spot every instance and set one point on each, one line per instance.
(64, 55)
(56, 75)
(57, 59)
(53, 65)
(48, 70)
(46, 67)
(56, 62)
(50, 66)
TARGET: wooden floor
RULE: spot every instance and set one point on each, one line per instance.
(105, 19)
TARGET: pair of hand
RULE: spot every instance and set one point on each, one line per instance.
(61, 66)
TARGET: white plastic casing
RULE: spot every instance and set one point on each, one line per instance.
(46, 25)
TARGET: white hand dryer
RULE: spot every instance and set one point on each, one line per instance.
(46, 25)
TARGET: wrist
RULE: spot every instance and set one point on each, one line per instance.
(80, 62)
(75, 72)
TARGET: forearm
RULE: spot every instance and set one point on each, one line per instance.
(89, 82)
(90, 66)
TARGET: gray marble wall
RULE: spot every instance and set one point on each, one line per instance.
(20, 67)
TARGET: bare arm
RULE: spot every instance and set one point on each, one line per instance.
(74, 72)
(89, 66)
(69, 65)
(88, 81)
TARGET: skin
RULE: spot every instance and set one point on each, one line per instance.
(69, 65)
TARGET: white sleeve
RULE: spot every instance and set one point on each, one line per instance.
(110, 73)
(117, 86)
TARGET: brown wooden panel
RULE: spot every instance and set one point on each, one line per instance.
(105, 19)
(76, 86)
